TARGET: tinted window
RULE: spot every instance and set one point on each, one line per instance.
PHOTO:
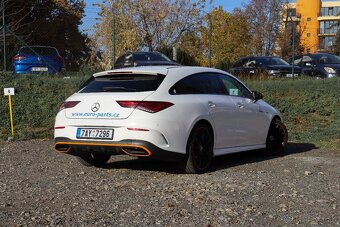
(149, 57)
(122, 83)
(238, 63)
(328, 59)
(203, 83)
(270, 61)
(120, 60)
(39, 50)
(234, 88)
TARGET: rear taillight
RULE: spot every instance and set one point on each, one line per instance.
(68, 104)
(147, 106)
(18, 58)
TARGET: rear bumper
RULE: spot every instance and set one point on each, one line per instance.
(136, 148)
(26, 68)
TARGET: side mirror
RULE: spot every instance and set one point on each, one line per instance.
(308, 64)
(257, 95)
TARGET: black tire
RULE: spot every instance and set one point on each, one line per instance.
(277, 138)
(94, 159)
(199, 149)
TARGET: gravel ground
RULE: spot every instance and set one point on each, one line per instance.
(40, 187)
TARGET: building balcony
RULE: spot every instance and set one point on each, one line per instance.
(325, 18)
(327, 32)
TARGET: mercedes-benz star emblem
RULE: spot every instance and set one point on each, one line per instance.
(95, 107)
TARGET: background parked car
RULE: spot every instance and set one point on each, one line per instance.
(268, 65)
(132, 59)
(38, 59)
(319, 65)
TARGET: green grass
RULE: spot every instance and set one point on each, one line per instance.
(35, 103)
(310, 108)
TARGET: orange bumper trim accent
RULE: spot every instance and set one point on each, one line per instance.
(148, 152)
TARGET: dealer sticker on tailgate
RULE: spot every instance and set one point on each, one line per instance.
(94, 133)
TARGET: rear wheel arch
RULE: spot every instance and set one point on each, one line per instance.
(204, 122)
(199, 148)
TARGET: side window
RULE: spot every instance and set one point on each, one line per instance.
(251, 63)
(120, 60)
(298, 61)
(238, 64)
(202, 83)
(307, 61)
(235, 88)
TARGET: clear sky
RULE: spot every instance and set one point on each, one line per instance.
(229, 5)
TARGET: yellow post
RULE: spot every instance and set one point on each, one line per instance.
(11, 114)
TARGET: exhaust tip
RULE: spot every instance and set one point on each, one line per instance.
(63, 147)
(136, 151)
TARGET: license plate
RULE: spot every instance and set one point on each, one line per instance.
(94, 133)
(39, 69)
(290, 75)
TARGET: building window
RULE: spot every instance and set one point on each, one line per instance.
(291, 12)
(330, 11)
(326, 42)
(309, 19)
(308, 34)
(329, 27)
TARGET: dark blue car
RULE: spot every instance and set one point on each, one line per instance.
(320, 65)
(38, 59)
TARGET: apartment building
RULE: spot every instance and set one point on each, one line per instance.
(317, 22)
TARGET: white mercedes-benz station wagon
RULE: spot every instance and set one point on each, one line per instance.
(175, 113)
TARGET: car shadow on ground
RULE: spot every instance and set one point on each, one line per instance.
(242, 158)
(222, 162)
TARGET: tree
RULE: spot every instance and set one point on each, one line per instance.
(230, 37)
(264, 18)
(149, 24)
(337, 43)
(289, 29)
(183, 57)
(48, 22)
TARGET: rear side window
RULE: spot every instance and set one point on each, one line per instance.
(203, 83)
(122, 83)
(39, 50)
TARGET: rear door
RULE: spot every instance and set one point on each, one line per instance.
(207, 90)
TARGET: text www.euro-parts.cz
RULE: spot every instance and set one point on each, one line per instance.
(96, 115)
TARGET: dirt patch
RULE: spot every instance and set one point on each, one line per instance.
(40, 187)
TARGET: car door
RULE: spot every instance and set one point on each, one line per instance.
(249, 67)
(252, 124)
(207, 90)
(222, 111)
(308, 65)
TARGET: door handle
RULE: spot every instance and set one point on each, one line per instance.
(211, 104)
(240, 105)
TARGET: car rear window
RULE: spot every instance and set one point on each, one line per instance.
(122, 83)
(149, 57)
(39, 50)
